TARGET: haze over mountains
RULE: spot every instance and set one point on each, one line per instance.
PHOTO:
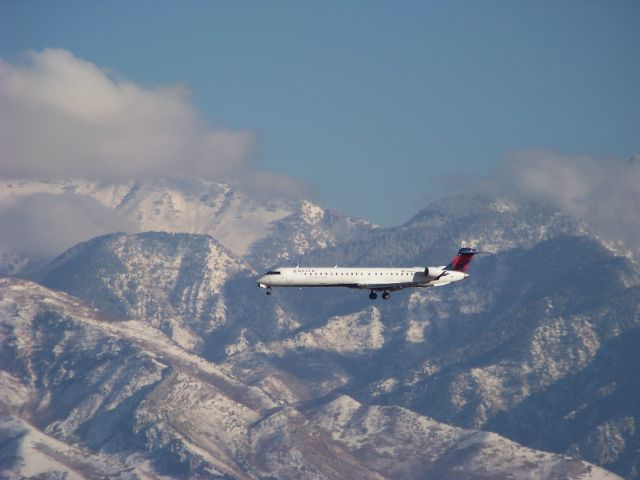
(152, 352)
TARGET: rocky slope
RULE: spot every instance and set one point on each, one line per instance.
(86, 395)
(506, 359)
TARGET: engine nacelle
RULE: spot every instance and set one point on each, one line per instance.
(433, 273)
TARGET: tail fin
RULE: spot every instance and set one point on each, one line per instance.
(461, 261)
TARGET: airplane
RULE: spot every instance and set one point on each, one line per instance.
(383, 280)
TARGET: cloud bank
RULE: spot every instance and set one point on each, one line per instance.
(64, 117)
(45, 224)
(604, 192)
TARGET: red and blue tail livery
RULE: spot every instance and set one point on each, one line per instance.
(461, 261)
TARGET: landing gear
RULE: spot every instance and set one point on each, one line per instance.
(373, 295)
(268, 290)
(386, 295)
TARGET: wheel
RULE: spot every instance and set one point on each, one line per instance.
(386, 295)
(373, 295)
(268, 292)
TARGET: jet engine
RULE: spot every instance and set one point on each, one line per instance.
(433, 273)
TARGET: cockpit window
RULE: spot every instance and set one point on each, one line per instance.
(272, 272)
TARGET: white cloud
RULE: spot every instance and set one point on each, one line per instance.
(605, 192)
(65, 117)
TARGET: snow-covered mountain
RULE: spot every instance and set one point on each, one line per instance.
(85, 395)
(173, 281)
(240, 221)
(537, 345)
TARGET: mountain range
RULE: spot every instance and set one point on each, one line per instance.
(154, 353)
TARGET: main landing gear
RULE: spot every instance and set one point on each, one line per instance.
(385, 295)
(268, 290)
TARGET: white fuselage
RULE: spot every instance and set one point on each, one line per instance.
(365, 278)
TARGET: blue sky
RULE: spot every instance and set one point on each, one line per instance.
(374, 103)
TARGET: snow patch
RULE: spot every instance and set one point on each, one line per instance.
(311, 213)
(348, 334)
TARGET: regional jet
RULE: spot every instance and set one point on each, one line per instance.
(383, 280)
